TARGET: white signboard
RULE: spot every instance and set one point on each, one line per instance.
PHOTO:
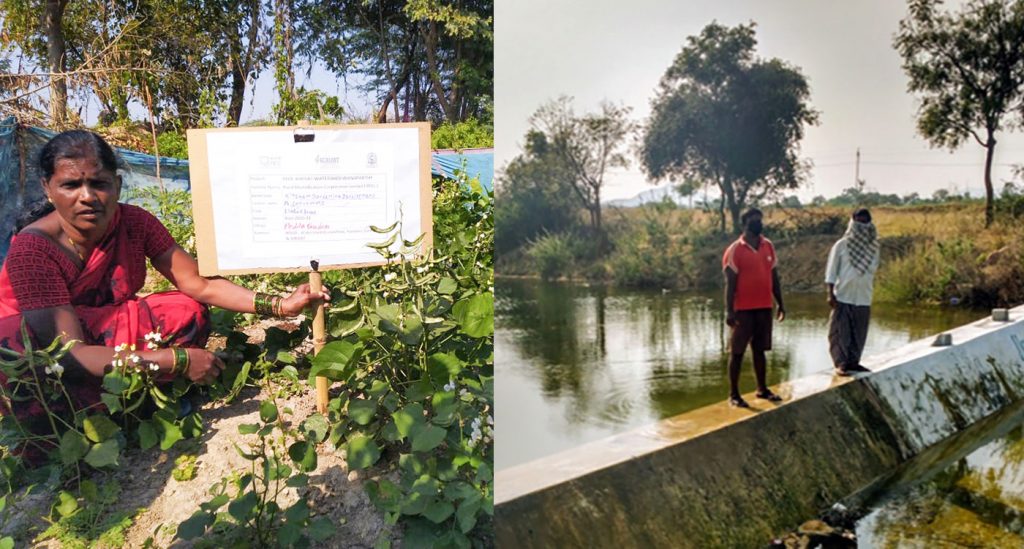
(272, 199)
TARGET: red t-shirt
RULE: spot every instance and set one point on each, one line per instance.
(753, 270)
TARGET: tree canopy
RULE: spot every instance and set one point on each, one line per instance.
(722, 116)
(968, 71)
(192, 63)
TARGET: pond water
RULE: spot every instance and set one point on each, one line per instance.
(579, 363)
(968, 492)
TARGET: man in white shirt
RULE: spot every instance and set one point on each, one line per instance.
(850, 277)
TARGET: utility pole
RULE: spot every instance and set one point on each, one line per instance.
(858, 184)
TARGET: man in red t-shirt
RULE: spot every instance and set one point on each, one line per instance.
(751, 281)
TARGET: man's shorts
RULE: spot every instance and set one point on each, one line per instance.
(753, 327)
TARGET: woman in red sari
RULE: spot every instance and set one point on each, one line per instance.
(76, 263)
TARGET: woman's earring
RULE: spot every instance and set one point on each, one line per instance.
(50, 200)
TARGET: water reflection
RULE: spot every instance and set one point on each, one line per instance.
(579, 363)
(975, 499)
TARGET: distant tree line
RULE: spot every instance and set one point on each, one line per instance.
(193, 63)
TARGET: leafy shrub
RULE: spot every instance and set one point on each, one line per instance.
(467, 134)
(552, 254)
(414, 349)
(647, 254)
(932, 272)
(172, 145)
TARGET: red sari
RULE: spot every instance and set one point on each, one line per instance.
(38, 274)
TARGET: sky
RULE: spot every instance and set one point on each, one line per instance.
(618, 51)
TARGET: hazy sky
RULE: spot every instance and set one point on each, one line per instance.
(618, 50)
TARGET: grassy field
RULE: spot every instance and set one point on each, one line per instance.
(936, 253)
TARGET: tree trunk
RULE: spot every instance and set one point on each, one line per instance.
(430, 40)
(55, 57)
(244, 63)
(990, 149)
(237, 94)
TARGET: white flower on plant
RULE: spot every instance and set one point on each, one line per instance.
(463, 392)
(154, 367)
(390, 276)
(134, 358)
(421, 269)
(56, 370)
(118, 363)
(152, 346)
(120, 348)
(450, 386)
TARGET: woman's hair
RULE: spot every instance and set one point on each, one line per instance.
(76, 144)
(69, 144)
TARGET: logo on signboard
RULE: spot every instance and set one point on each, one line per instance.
(371, 160)
(270, 161)
(332, 160)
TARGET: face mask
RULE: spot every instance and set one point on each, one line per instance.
(755, 227)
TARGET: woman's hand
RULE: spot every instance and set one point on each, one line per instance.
(301, 298)
(204, 367)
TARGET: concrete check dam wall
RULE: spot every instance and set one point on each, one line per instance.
(723, 477)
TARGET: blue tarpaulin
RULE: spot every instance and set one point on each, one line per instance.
(20, 146)
(478, 163)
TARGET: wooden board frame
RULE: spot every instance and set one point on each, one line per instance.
(202, 194)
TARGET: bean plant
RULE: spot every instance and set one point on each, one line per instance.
(413, 348)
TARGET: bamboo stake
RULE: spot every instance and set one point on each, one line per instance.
(316, 285)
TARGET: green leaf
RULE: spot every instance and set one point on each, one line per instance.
(7, 543)
(99, 428)
(66, 504)
(460, 490)
(315, 428)
(73, 447)
(447, 286)
(361, 452)
(115, 382)
(476, 315)
(241, 509)
(412, 331)
(438, 511)
(90, 492)
(288, 534)
(407, 418)
(112, 402)
(300, 480)
(390, 317)
(298, 512)
(426, 485)
(103, 454)
(320, 529)
(362, 411)
(248, 428)
(444, 362)
(336, 361)
(148, 436)
(304, 455)
(445, 407)
(426, 437)
(169, 432)
(195, 526)
(268, 411)
(467, 513)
